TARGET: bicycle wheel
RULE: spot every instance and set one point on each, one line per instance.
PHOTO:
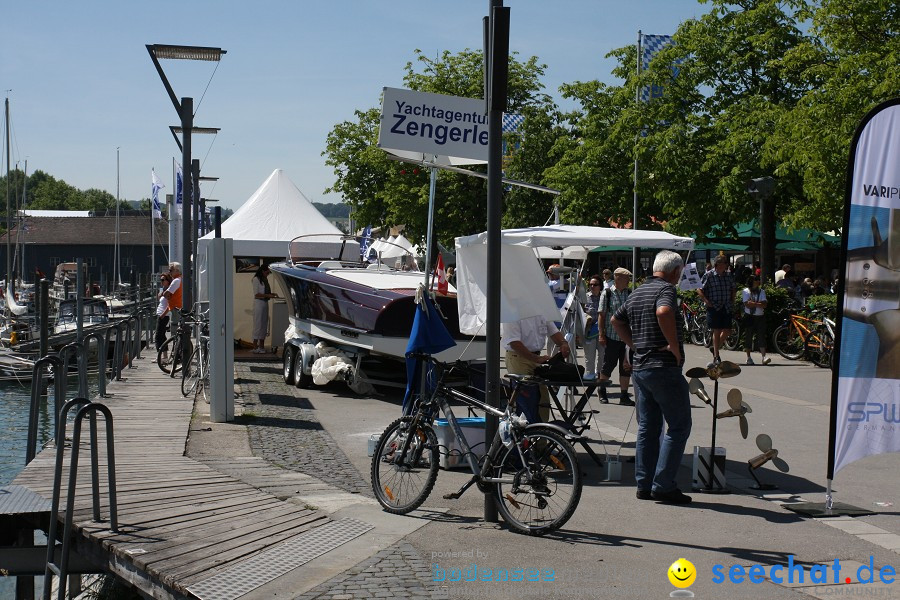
(202, 389)
(190, 375)
(787, 341)
(543, 493)
(733, 341)
(698, 330)
(165, 356)
(818, 347)
(402, 481)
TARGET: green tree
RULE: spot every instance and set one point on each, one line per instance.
(848, 66)
(383, 192)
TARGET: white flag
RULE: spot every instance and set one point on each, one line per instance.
(155, 186)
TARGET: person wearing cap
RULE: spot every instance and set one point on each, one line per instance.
(615, 349)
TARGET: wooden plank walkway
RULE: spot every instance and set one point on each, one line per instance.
(181, 522)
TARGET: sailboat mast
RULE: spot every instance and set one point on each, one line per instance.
(8, 216)
(22, 220)
(118, 277)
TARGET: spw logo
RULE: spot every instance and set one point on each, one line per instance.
(864, 411)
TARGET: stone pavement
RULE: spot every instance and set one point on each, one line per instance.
(614, 546)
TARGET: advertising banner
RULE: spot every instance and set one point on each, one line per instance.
(865, 412)
(433, 124)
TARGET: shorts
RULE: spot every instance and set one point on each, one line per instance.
(718, 318)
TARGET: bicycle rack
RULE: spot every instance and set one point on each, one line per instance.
(37, 381)
(102, 346)
(78, 348)
(61, 570)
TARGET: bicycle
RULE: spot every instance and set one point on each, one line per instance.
(789, 338)
(531, 469)
(818, 346)
(170, 356)
(694, 326)
(732, 341)
(195, 375)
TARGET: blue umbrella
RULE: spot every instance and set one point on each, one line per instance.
(428, 336)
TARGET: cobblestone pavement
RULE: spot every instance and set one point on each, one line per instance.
(396, 572)
(284, 430)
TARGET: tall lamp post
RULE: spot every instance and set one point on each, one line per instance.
(185, 110)
(762, 189)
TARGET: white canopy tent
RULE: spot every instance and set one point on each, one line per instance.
(276, 213)
(524, 292)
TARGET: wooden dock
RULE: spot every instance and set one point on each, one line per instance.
(185, 529)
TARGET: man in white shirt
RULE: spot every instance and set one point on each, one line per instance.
(525, 341)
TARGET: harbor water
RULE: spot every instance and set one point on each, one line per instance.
(14, 407)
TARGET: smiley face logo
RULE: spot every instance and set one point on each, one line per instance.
(682, 573)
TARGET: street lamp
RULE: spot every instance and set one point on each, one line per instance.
(185, 110)
(762, 189)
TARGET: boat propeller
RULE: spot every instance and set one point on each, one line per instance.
(696, 387)
(723, 370)
(739, 408)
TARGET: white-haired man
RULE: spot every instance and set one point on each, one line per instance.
(648, 324)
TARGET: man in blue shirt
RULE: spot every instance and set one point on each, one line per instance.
(718, 294)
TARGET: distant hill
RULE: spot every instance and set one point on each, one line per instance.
(330, 210)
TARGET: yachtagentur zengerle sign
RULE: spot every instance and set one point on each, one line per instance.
(433, 124)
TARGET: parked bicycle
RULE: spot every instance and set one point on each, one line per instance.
(173, 353)
(195, 374)
(694, 324)
(789, 338)
(530, 469)
(818, 347)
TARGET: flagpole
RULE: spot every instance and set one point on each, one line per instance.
(637, 98)
(153, 222)
(430, 233)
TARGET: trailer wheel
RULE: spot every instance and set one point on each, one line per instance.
(289, 364)
(301, 379)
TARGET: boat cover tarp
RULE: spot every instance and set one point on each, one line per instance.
(523, 289)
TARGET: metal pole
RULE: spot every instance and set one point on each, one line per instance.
(496, 95)
(429, 236)
(79, 300)
(634, 220)
(43, 303)
(195, 219)
(187, 279)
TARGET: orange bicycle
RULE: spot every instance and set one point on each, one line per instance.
(789, 338)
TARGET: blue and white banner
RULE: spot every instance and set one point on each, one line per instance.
(179, 186)
(650, 47)
(155, 186)
(865, 409)
(365, 242)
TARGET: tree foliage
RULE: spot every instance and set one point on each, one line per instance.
(44, 192)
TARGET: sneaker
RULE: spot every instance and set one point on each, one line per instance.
(604, 399)
(644, 495)
(751, 363)
(625, 399)
(673, 497)
(766, 360)
(589, 377)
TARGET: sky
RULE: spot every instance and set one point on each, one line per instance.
(84, 93)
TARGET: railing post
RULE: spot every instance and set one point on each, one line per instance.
(102, 344)
(37, 384)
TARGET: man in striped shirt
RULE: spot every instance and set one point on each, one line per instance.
(649, 324)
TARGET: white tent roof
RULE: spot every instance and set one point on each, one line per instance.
(523, 290)
(276, 213)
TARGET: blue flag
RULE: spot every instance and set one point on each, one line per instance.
(155, 186)
(365, 242)
(652, 44)
(428, 336)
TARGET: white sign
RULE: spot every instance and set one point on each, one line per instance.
(690, 278)
(433, 124)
